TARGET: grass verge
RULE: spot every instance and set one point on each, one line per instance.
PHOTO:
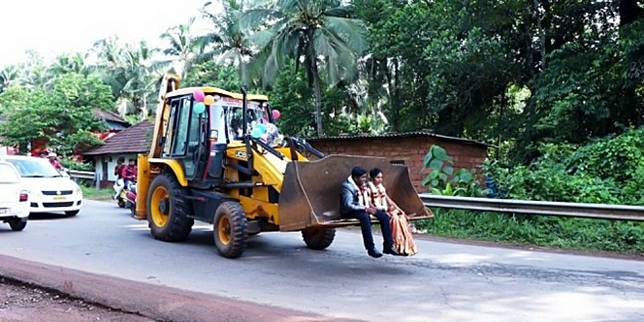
(570, 233)
(93, 194)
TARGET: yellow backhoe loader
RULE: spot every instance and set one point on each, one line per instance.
(222, 163)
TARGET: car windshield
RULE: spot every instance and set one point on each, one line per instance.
(8, 174)
(35, 168)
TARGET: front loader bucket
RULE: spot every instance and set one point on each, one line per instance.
(310, 195)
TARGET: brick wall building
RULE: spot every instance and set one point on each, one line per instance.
(406, 148)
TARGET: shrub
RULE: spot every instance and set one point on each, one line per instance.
(610, 170)
(78, 166)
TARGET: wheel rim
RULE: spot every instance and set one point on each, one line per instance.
(160, 206)
(223, 230)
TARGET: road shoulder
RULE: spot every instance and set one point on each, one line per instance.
(152, 301)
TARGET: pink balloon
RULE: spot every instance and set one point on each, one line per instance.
(198, 95)
(276, 114)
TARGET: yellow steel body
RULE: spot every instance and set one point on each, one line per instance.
(269, 167)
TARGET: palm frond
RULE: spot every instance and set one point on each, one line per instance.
(351, 31)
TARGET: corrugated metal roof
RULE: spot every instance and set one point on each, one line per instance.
(397, 135)
(135, 139)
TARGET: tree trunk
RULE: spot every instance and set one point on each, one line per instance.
(314, 81)
(317, 97)
(145, 107)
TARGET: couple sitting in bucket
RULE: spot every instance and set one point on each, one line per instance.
(360, 198)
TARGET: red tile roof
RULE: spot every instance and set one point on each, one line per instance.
(135, 139)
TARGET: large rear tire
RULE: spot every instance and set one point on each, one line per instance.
(168, 210)
(18, 224)
(318, 238)
(229, 229)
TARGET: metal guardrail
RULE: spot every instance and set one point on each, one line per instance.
(566, 209)
(82, 174)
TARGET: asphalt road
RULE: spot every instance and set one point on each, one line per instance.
(445, 282)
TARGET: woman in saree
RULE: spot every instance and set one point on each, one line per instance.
(401, 234)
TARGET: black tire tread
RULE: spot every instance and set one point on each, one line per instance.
(239, 238)
(318, 238)
(17, 224)
(179, 225)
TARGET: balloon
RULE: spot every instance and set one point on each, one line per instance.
(199, 108)
(198, 95)
(255, 133)
(276, 114)
(261, 128)
(209, 100)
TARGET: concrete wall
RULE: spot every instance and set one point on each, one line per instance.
(408, 150)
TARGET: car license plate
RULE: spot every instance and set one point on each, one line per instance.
(59, 198)
(4, 211)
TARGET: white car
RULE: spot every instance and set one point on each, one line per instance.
(14, 199)
(49, 190)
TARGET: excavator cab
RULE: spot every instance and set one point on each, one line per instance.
(217, 157)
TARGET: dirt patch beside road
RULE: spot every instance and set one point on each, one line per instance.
(22, 302)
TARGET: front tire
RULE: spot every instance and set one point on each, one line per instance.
(318, 238)
(229, 229)
(168, 210)
(18, 224)
(72, 213)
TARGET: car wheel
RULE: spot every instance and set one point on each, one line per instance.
(18, 224)
(72, 213)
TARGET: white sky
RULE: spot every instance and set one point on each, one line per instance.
(69, 26)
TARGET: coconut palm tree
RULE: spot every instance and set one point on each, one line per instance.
(319, 34)
(69, 64)
(227, 40)
(131, 71)
(184, 49)
(8, 76)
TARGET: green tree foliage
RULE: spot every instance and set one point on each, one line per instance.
(293, 97)
(320, 33)
(227, 40)
(210, 73)
(593, 91)
(604, 171)
(64, 114)
(131, 72)
(184, 49)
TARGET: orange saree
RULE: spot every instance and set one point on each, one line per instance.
(401, 234)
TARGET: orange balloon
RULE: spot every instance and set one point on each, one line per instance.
(209, 100)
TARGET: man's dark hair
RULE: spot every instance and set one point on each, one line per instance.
(121, 159)
(374, 172)
(358, 171)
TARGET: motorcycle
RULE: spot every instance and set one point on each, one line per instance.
(121, 198)
(127, 196)
(130, 198)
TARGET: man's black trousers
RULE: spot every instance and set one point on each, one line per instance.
(365, 224)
